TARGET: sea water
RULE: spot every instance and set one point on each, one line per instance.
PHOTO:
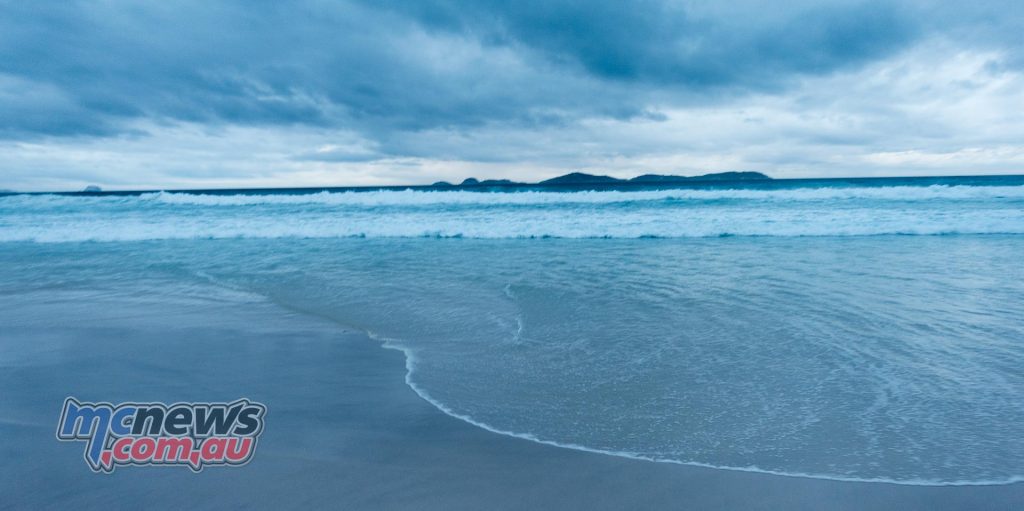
(864, 330)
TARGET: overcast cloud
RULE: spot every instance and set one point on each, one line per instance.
(249, 93)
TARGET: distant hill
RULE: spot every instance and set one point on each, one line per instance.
(580, 178)
(498, 182)
(719, 176)
(472, 181)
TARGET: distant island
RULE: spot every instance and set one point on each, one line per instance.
(570, 179)
(579, 178)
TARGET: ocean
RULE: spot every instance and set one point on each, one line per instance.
(863, 329)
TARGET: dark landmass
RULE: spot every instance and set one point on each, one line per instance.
(92, 189)
(580, 178)
(472, 181)
(720, 176)
(575, 178)
(497, 182)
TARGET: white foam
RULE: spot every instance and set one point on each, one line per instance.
(410, 368)
(415, 197)
(860, 211)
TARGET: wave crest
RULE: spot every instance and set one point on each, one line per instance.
(675, 213)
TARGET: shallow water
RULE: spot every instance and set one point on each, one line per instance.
(883, 357)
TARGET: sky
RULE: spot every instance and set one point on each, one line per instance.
(213, 94)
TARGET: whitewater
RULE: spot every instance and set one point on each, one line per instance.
(670, 213)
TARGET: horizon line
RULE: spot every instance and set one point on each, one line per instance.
(513, 184)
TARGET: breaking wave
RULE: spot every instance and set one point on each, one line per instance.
(674, 213)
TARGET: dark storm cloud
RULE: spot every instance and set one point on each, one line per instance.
(387, 71)
(382, 68)
(659, 42)
(311, 63)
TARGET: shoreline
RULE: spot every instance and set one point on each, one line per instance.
(343, 427)
(423, 394)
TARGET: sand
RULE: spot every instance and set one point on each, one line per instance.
(343, 431)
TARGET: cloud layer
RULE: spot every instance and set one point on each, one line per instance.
(137, 94)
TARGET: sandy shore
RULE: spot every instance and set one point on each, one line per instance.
(342, 431)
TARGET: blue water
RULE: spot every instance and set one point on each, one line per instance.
(865, 330)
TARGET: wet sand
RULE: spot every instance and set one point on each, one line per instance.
(342, 431)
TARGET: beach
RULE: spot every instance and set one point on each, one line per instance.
(343, 429)
(512, 255)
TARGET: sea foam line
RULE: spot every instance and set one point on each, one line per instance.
(410, 368)
(410, 365)
(418, 197)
